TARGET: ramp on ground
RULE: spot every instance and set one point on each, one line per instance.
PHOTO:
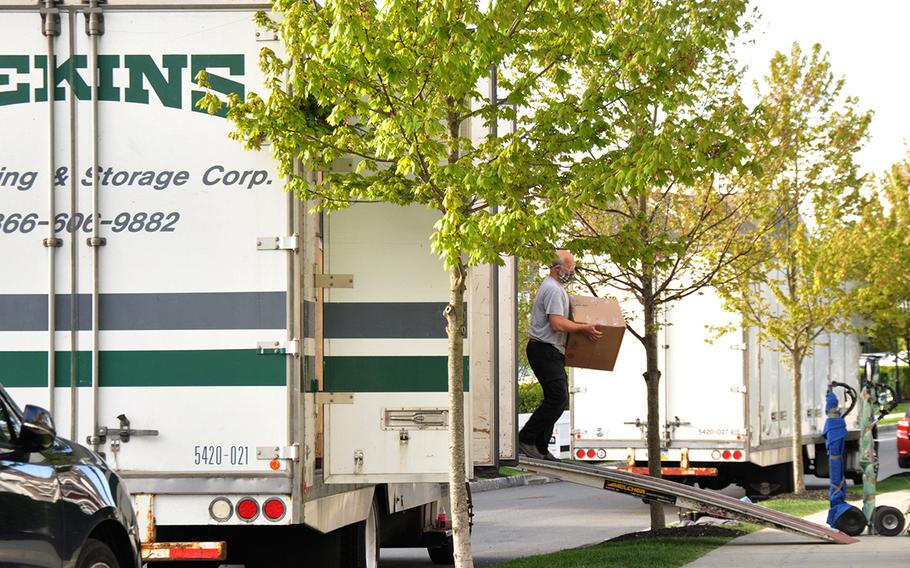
(683, 496)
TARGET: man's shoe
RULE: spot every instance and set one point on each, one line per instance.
(530, 450)
(551, 457)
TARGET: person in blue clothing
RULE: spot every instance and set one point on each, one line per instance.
(546, 349)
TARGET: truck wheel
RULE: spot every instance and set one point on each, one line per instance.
(903, 462)
(888, 521)
(443, 555)
(364, 541)
(96, 554)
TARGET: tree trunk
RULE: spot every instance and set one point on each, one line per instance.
(458, 494)
(898, 395)
(799, 485)
(652, 382)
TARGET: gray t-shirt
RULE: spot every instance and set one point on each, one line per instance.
(551, 299)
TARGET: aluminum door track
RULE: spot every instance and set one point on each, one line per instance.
(683, 496)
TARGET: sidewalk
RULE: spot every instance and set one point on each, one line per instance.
(786, 550)
(496, 483)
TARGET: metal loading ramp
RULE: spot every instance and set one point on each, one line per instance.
(683, 496)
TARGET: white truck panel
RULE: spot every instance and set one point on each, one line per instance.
(699, 363)
(363, 448)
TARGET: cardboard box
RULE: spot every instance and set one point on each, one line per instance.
(607, 316)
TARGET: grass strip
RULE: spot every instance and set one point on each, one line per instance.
(901, 410)
(672, 552)
(506, 471)
(669, 552)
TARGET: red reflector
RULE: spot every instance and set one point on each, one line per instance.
(154, 551)
(580, 454)
(195, 554)
(737, 455)
(273, 509)
(591, 453)
(247, 509)
(726, 454)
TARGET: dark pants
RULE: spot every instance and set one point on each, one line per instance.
(549, 366)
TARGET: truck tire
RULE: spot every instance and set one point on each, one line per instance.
(903, 462)
(96, 554)
(443, 555)
(364, 541)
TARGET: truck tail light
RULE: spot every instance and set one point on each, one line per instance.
(591, 454)
(580, 454)
(221, 509)
(737, 455)
(274, 509)
(726, 454)
(247, 509)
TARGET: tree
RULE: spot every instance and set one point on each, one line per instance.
(884, 263)
(800, 288)
(661, 167)
(528, 280)
(393, 84)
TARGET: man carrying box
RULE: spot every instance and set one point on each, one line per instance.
(550, 326)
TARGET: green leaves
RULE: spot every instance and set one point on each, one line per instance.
(812, 182)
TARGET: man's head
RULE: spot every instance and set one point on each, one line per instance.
(563, 266)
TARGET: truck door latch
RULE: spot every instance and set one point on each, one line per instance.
(672, 425)
(125, 432)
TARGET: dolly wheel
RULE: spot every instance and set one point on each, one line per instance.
(888, 521)
(851, 522)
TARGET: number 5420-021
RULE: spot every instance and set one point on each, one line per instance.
(210, 454)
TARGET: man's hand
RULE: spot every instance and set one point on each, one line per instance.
(565, 325)
(591, 331)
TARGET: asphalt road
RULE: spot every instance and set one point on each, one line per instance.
(525, 521)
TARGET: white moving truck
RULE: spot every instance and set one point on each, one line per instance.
(262, 378)
(726, 411)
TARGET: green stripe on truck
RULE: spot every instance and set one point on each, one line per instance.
(226, 367)
(388, 374)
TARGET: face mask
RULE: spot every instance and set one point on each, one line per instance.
(566, 277)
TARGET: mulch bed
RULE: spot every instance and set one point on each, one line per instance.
(686, 531)
(810, 494)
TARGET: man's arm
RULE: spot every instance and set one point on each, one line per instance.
(560, 324)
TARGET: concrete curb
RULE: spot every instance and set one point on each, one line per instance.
(481, 485)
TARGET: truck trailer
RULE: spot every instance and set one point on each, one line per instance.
(270, 382)
(726, 412)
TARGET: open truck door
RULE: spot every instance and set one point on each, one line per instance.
(384, 351)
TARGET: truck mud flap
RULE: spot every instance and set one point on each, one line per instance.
(683, 496)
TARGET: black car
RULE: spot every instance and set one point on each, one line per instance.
(60, 504)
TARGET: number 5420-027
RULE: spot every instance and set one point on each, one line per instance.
(210, 454)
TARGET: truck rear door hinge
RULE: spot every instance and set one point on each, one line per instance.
(289, 347)
(327, 397)
(278, 243)
(742, 389)
(291, 452)
(333, 280)
(576, 390)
